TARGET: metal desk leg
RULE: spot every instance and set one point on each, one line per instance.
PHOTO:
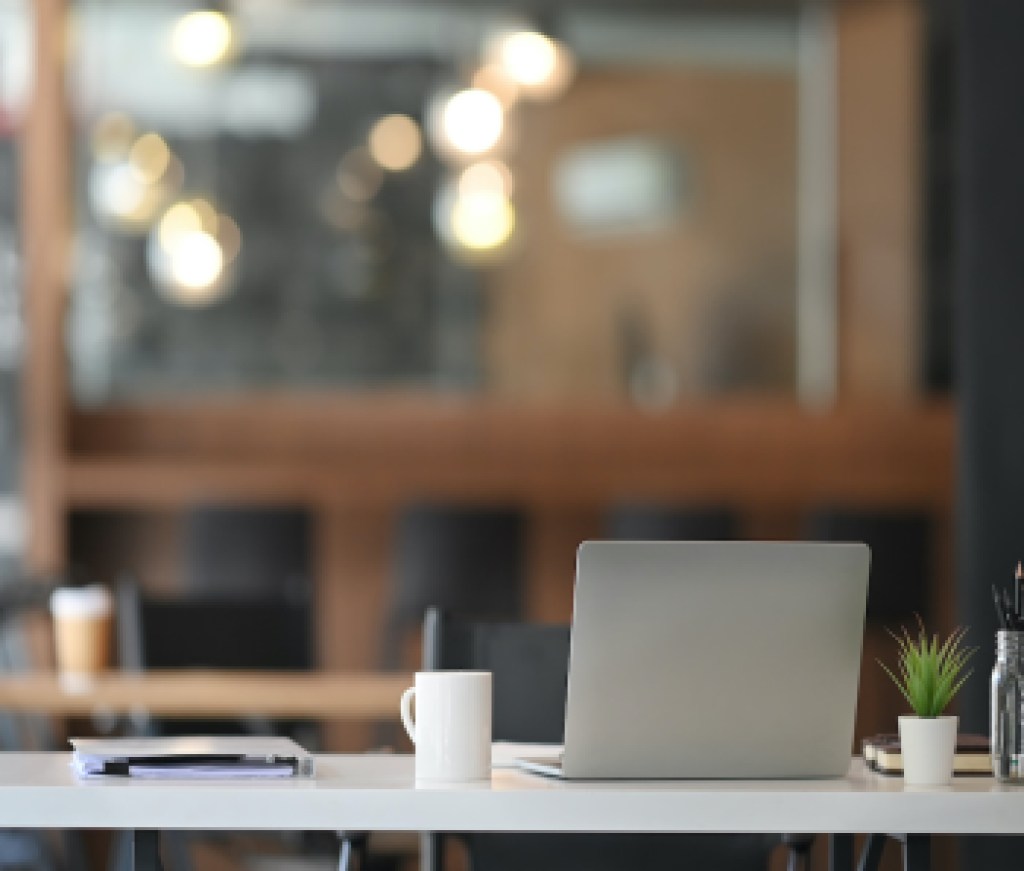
(145, 850)
(840, 852)
(917, 853)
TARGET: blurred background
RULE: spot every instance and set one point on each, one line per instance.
(314, 267)
(305, 296)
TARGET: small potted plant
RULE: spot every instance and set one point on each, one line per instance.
(930, 673)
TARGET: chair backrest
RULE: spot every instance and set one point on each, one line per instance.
(247, 551)
(467, 559)
(464, 558)
(266, 632)
(271, 633)
(529, 664)
(900, 543)
(652, 522)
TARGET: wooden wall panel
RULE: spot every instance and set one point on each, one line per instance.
(710, 295)
(880, 103)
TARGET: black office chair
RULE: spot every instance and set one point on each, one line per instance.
(247, 551)
(900, 543)
(648, 521)
(267, 632)
(239, 632)
(529, 664)
(463, 558)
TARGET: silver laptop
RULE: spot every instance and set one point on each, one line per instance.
(713, 660)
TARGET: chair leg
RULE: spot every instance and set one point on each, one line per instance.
(431, 852)
(840, 852)
(917, 853)
(799, 850)
(74, 850)
(871, 855)
(144, 850)
(120, 852)
(353, 850)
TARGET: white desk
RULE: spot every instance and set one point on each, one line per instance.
(38, 790)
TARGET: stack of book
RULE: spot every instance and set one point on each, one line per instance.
(882, 754)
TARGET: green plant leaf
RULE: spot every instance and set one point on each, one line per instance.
(929, 671)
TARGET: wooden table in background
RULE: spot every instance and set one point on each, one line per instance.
(303, 695)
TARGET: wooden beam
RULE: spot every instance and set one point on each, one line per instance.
(46, 190)
(753, 454)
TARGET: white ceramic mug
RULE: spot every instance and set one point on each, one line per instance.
(452, 727)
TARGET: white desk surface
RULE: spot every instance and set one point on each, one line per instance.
(374, 792)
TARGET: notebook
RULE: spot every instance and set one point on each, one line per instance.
(192, 757)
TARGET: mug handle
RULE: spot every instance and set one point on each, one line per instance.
(405, 709)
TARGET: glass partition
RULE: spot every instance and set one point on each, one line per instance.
(591, 204)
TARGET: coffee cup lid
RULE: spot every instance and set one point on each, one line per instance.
(91, 601)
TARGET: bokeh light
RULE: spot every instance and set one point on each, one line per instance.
(197, 261)
(150, 158)
(120, 199)
(190, 253)
(529, 58)
(202, 38)
(112, 136)
(473, 214)
(542, 67)
(482, 221)
(132, 177)
(487, 176)
(473, 121)
(395, 142)
(179, 220)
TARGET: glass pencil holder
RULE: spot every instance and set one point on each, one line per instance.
(1007, 734)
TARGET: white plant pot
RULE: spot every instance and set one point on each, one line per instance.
(928, 745)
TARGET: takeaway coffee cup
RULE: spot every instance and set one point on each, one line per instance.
(81, 629)
(452, 726)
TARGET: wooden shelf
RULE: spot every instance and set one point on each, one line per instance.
(386, 452)
(200, 693)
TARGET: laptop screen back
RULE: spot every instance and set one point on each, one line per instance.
(714, 659)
